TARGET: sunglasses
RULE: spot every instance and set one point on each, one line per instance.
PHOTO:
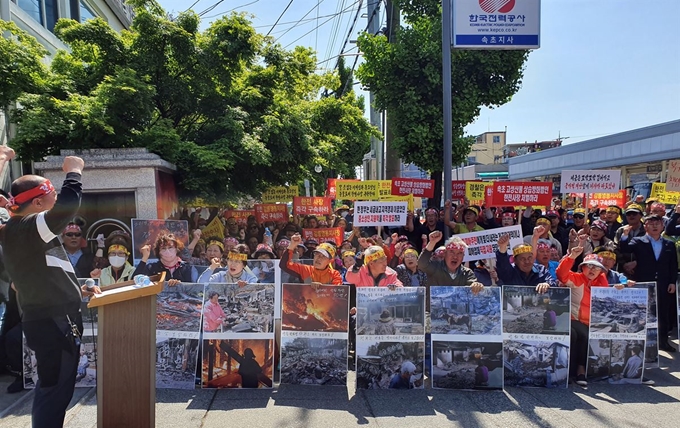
(579, 216)
(632, 213)
(73, 235)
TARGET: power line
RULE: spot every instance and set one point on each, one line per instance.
(351, 30)
(299, 20)
(280, 16)
(194, 4)
(322, 24)
(210, 8)
(232, 9)
(334, 32)
(304, 20)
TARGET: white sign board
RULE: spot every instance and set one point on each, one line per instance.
(496, 24)
(380, 213)
(484, 244)
(591, 181)
(673, 176)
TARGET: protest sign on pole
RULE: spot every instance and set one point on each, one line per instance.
(529, 193)
(474, 191)
(458, 189)
(357, 190)
(241, 216)
(280, 194)
(313, 206)
(413, 186)
(214, 228)
(673, 176)
(322, 234)
(408, 199)
(663, 195)
(271, 212)
(380, 214)
(384, 188)
(591, 181)
(484, 244)
(603, 200)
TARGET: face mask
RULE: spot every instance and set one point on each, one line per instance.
(117, 261)
(168, 253)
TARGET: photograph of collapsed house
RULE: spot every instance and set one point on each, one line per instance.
(238, 363)
(176, 361)
(617, 361)
(455, 310)
(228, 308)
(307, 309)
(178, 308)
(313, 361)
(390, 365)
(527, 312)
(391, 312)
(536, 363)
(467, 365)
(620, 312)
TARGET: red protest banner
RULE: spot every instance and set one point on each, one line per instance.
(241, 216)
(603, 200)
(457, 189)
(325, 234)
(413, 186)
(527, 193)
(315, 206)
(271, 212)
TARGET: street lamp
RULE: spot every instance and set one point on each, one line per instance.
(318, 169)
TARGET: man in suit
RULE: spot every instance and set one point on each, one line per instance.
(656, 261)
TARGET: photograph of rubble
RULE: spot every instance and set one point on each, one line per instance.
(306, 309)
(618, 311)
(536, 363)
(652, 348)
(527, 312)
(467, 365)
(238, 363)
(178, 308)
(381, 311)
(617, 361)
(389, 365)
(455, 310)
(228, 308)
(30, 366)
(176, 361)
(145, 232)
(313, 361)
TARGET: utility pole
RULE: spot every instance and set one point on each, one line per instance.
(374, 171)
(392, 160)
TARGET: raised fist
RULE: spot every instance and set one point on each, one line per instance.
(73, 164)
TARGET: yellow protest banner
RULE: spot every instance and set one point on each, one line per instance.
(280, 194)
(475, 191)
(407, 198)
(214, 229)
(660, 193)
(368, 190)
(384, 188)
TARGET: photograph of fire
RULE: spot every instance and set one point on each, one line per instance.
(178, 308)
(238, 363)
(306, 309)
(145, 232)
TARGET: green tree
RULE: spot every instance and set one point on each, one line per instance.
(406, 79)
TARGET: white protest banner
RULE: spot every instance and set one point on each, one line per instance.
(483, 245)
(380, 213)
(673, 176)
(591, 181)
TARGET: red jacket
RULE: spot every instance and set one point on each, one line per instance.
(580, 289)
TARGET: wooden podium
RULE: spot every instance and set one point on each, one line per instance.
(126, 348)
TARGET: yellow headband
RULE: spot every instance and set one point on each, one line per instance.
(116, 247)
(607, 254)
(237, 256)
(543, 220)
(375, 256)
(410, 252)
(521, 249)
(348, 254)
(215, 242)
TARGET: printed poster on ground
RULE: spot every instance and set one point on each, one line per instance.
(652, 344)
(390, 345)
(483, 244)
(314, 329)
(616, 343)
(145, 232)
(467, 340)
(591, 181)
(536, 336)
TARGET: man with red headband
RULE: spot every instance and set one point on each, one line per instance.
(431, 224)
(46, 284)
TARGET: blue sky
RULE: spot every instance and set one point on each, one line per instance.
(604, 66)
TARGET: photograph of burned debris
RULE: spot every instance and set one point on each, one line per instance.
(467, 365)
(145, 232)
(238, 363)
(455, 310)
(176, 361)
(384, 312)
(306, 309)
(228, 308)
(527, 312)
(313, 361)
(617, 361)
(178, 308)
(618, 311)
(389, 365)
(536, 363)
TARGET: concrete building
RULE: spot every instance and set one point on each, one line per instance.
(488, 148)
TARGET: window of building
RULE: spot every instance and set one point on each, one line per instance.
(496, 138)
(472, 159)
(45, 12)
(33, 8)
(80, 11)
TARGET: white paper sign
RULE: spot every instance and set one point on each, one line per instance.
(483, 245)
(380, 213)
(591, 181)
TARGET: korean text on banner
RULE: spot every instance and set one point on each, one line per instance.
(484, 244)
(457, 189)
(241, 216)
(660, 193)
(603, 200)
(357, 190)
(474, 191)
(529, 193)
(413, 186)
(384, 188)
(271, 212)
(409, 199)
(322, 234)
(214, 228)
(280, 194)
(591, 181)
(673, 176)
(380, 214)
(313, 206)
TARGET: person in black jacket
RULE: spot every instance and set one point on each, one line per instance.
(47, 288)
(656, 260)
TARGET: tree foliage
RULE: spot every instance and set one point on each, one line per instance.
(406, 79)
(234, 111)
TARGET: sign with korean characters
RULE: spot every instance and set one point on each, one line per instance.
(325, 234)
(484, 244)
(458, 189)
(380, 214)
(280, 194)
(529, 193)
(331, 187)
(413, 186)
(362, 190)
(271, 212)
(496, 24)
(673, 176)
(214, 228)
(408, 199)
(603, 200)
(474, 191)
(660, 193)
(241, 216)
(591, 181)
(314, 206)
